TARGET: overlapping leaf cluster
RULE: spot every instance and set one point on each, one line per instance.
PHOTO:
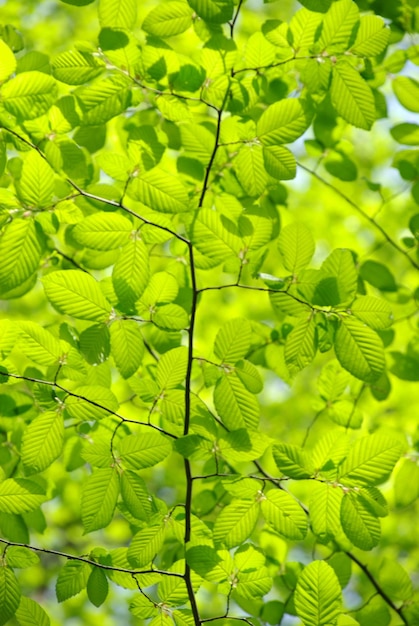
(141, 176)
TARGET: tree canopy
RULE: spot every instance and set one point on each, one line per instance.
(209, 295)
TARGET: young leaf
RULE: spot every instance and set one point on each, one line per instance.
(8, 61)
(99, 496)
(76, 68)
(135, 495)
(318, 596)
(214, 11)
(19, 495)
(283, 513)
(29, 94)
(97, 587)
(250, 170)
(145, 450)
(127, 346)
(171, 369)
(373, 311)
(21, 247)
(358, 523)
(9, 594)
(372, 36)
(236, 522)
(43, 441)
(325, 505)
(292, 461)
(352, 97)
(39, 344)
(103, 231)
(30, 613)
(296, 246)
(359, 350)
(283, 122)
(301, 345)
(407, 92)
(131, 273)
(370, 460)
(160, 191)
(117, 13)
(236, 406)
(169, 19)
(76, 293)
(279, 162)
(72, 579)
(338, 26)
(233, 341)
(36, 185)
(91, 402)
(145, 545)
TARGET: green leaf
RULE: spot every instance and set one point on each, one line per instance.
(29, 94)
(30, 613)
(39, 344)
(325, 505)
(406, 90)
(74, 67)
(352, 97)
(250, 170)
(71, 580)
(97, 587)
(214, 11)
(142, 607)
(338, 279)
(283, 513)
(9, 594)
(233, 341)
(373, 311)
(117, 13)
(171, 317)
(370, 460)
(359, 350)
(43, 441)
(21, 248)
(249, 376)
(76, 293)
(372, 36)
(283, 122)
(135, 495)
(212, 565)
(236, 522)
(19, 495)
(8, 61)
(406, 133)
(160, 191)
(406, 483)
(103, 231)
(21, 557)
(318, 596)
(279, 162)
(90, 402)
(36, 185)
(143, 450)
(296, 246)
(216, 236)
(301, 345)
(168, 19)
(235, 405)
(127, 346)
(395, 580)
(131, 273)
(99, 496)
(359, 524)
(171, 369)
(104, 98)
(292, 461)
(338, 25)
(378, 275)
(145, 545)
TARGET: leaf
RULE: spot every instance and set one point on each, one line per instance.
(71, 580)
(21, 557)
(214, 11)
(216, 236)
(236, 522)
(279, 162)
(144, 450)
(76, 293)
(318, 596)
(168, 19)
(359, 350)
(338, 25)
(160, 191)
(296, 246)
(171, 317)
(103, 231)
(301, 345)
(283, 122)
(90, 402)
(29, 94)
(21, 248)
(131, 273)
(145, 545)
(30, 613)
(338, 279)
(292, 461)
(39, 344)
(8, 337)
(99, 496)
(135, 495)
(9, 594)
(233, 341)
(127, 346)
(104, 98)
(358, 523)
(8, 61)
(117, 13)
(406, 90)
(372, 36)
(236, 406)
(43, 441)
(97, 587)
(171, 369)
(75, 67)
(36, 185)
(282, 512)
(351, 96)
(325, 505)
(142, 607)
(250, 170)
(395, 580)
(19, 495)
(370, 460)
(373, 311)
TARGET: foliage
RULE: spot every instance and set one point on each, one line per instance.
(207, 373)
